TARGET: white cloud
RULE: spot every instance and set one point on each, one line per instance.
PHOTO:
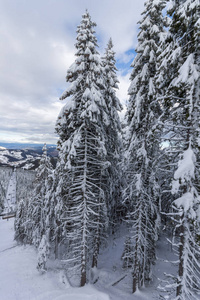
(37, 47)
(122, 93)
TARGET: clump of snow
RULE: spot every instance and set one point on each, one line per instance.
(185, 201)
(185, 171)
(186, 69)
(28, 166)
(138, 182)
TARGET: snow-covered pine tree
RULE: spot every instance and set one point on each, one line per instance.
(143, 113)
(35, 217)
(38, 208)
(24, 184)
(20, 225)
(113, 132)
(181, 64)
(2, 197)
(5, 173)
(127, 255)
(55, 199)
(49, 207)
(24, 192)
(82, 163)
(43, 253)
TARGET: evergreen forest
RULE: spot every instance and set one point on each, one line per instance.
(142, 173)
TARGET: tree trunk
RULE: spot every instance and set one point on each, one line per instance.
(180, 250)
(57, 240)
(83, 269)
(96, 251)
(135, 282)
(136, 267)
(97, 237)
(56, 247)
(84, 232)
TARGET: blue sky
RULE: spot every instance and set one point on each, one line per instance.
(36, 49)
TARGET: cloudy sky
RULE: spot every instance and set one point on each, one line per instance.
(37, 40)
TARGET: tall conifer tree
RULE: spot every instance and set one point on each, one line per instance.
(143, 143)
(113, 131)
(30, 222)
(180, 67)
(81, 126)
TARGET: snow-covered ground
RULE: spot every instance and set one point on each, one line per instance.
(20, 280)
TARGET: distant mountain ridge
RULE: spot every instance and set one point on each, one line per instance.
(25, 156)
(24, 145)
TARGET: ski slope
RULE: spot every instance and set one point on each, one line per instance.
(10, 201)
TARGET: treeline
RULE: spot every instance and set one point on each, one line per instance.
(145, 174)
(24, 185)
